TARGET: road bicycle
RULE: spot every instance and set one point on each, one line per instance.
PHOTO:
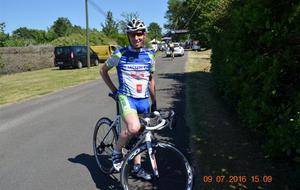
(168, 166)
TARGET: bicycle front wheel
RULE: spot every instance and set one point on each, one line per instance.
(104, 140)
(173, 168)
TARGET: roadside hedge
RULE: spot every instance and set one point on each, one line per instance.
(255, 61)
(20, 59)
(34, 57)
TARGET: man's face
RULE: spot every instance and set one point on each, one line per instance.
(137, 39)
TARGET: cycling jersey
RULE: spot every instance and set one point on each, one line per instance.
(134, 68)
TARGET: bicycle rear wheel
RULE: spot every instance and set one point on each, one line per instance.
(174, 170)
(104, 139)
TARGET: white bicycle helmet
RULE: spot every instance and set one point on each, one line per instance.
(135, 25)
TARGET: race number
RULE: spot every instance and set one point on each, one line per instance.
(139, 88)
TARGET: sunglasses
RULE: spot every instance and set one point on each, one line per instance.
(139, 34)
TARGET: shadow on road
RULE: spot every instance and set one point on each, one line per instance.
(102, 181)
(222, 146)
(175, 93)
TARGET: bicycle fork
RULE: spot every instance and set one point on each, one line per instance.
(151, 153)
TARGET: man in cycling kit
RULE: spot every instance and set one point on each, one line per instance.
(135, 68)
(171, 47)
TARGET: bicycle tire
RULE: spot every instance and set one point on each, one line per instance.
(104, 139)
(174, 169)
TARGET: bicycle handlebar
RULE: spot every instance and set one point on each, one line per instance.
(156, 120)
(165, 118)
(160, 126)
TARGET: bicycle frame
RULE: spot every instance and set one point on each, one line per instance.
(117, 122)
(147, 145)
(148, 140)
(147, 137)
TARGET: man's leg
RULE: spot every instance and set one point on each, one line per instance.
(132, 128)
(173, 54)
(143, 106)
(130, 117)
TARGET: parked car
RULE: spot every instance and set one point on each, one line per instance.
(178, 50)
(73, 56)
(104, 51)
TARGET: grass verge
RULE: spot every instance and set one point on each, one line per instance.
(21, 86)
(198, 64)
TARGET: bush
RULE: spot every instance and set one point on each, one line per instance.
(255, 60)
(96, 38)
(20, 59)
(1, 64)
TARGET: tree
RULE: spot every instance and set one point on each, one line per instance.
(3, 36)
(200, 17)
(22, 32)
(78, 29)
(25, 33)
(110, 27)
(61, 27)
(205, 16)
(121, 39)
(154, 31)
(176, 15)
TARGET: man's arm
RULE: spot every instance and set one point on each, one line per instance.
(152, 92)
(105, 76)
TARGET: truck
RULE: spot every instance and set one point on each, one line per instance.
(104, 51)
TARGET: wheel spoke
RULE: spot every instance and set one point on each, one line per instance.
(172, 168)
(104, 141)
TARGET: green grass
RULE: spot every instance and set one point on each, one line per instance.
(198, 62)
(196, 65)
(20, 86)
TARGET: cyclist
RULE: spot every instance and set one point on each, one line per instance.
(171, 48)
(135, 68)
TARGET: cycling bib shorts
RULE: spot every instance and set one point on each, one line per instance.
(133, 105)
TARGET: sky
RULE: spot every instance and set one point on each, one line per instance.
(41, 14)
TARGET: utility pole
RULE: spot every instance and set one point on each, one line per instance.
(87, 34)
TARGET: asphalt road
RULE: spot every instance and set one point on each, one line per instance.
(46, 142)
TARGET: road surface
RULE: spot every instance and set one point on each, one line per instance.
(46, 142)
